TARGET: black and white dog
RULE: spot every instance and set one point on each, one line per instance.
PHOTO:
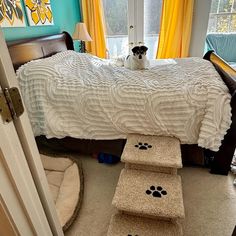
(136, 61)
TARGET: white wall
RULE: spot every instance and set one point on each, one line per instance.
(199, 27)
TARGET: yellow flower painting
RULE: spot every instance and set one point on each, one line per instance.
(39, 12)
(11, 13)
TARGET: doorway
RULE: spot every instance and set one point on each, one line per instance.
(130, 23)
(22, 162)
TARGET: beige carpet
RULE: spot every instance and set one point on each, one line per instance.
(122, 225)
(149, 194)
(165, 170)
(210, 201)
(150, 150)
(99, 186)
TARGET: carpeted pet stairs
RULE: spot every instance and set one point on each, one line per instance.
(149, 191)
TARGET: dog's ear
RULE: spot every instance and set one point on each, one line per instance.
(144, 48)
(135, 49)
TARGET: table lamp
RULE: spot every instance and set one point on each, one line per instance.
(81, 34)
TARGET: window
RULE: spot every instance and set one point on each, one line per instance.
(130, 23)
(116, 18)
(152, 15)
(222, 16)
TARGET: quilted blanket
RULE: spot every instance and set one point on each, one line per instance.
(82, 96)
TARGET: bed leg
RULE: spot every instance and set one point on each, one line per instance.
(223, 158)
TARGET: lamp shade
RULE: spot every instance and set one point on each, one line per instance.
(81, 32)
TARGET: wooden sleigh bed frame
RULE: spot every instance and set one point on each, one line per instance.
(22, 51)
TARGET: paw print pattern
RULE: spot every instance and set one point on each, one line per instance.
(143, 146)
(156, 191)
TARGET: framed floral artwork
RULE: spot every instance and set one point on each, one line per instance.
(39, 12)
(11, 14)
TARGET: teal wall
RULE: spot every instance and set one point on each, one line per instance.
(65, 15)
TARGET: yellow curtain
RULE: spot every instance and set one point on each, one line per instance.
(92, 11)
(175, 31)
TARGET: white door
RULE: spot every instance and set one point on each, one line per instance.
(22, 160)
(130, 23)
(144, 17)
(18, 195)
(152, 20)
(7, 226)
(135, 23)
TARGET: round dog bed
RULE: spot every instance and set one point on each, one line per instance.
(65, 182)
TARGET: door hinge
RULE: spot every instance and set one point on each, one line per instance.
(11, 105)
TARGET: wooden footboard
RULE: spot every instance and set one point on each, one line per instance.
(222, 158)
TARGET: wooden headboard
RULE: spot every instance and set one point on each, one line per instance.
(22, 51)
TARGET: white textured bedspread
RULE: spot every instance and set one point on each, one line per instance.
(81, 96)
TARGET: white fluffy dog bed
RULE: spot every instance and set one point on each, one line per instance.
(64, 179)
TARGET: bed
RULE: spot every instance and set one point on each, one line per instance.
(26, 50)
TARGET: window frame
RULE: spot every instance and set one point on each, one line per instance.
(218, 13)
